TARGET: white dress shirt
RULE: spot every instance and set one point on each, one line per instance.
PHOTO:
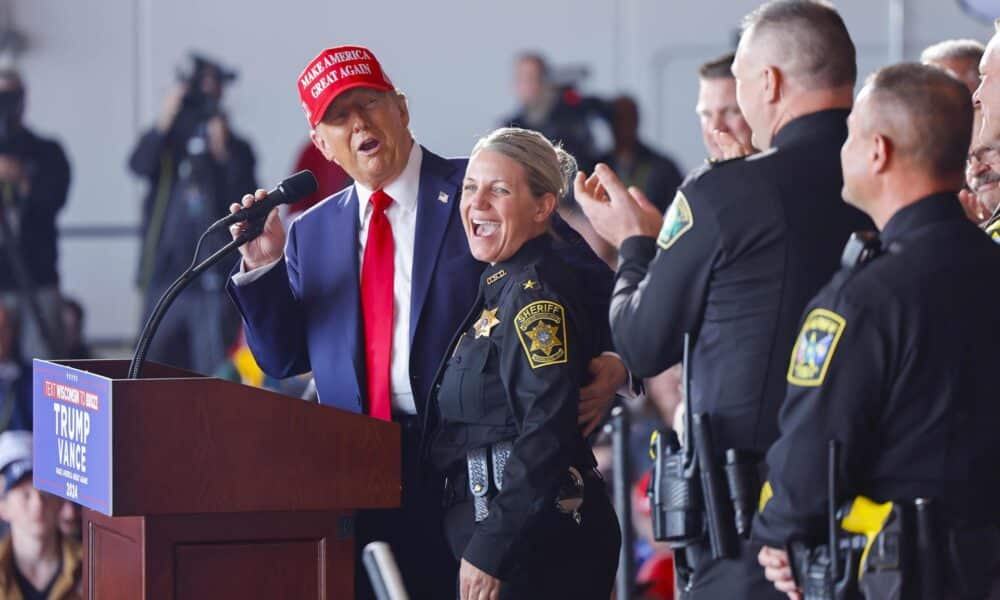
(402, 216)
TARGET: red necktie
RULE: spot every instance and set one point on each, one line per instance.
(376, 306)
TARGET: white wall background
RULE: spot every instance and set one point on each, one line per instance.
(97, 69)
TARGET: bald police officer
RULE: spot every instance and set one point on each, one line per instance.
(742, 249)
(889, 362)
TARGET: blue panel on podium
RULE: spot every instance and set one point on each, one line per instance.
(72, 438)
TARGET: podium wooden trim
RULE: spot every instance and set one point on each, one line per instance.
(225, 491)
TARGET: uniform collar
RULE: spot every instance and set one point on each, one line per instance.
(403, 190)
(942, 206)
(496, 277)
(824, 124)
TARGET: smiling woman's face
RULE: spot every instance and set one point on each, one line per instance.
(499, 212)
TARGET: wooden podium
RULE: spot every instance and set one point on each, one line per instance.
(215, 490)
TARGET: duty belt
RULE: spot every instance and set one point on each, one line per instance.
(485, 471)
(479, 474)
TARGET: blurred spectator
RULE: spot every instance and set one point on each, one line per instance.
(961, 59)
(636, 163)
(240, 366)
(34, 181)
(196, 167)
(557, 111)
(36, 560)
(648, 413)
(654, 560)
(721, 119)
(981, 197)
(72, 324)
(329, 177)
(655, 579)
(958, 57)
(71, 520)
(15, 377)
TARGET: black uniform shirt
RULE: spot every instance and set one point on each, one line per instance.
(744, 246)
(515, 373)
(895, 359)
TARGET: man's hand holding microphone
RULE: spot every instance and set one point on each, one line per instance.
(269, 246)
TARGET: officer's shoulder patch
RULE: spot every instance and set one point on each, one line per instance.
(678, 221)
(814, 347)
(993, 230)
(541, 327)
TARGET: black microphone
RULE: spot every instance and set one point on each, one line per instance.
(292, 189)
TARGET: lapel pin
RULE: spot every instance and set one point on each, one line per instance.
(443, 197)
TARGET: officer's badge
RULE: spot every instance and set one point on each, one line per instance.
(529, 284)
(815, 347)
(487, 321)
(676, 222)
(541, 327)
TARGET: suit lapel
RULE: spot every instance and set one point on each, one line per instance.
(343, 241)
(437, 201)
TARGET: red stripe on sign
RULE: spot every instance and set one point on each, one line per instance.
(71, 395)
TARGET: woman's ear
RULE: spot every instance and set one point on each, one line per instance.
(546, 205)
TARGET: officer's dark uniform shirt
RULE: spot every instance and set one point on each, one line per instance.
(892, 362)
(514, 374)
(743, 248)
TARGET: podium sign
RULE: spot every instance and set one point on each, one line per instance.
(72, 435)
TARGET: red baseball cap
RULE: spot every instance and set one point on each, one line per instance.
(334, 71)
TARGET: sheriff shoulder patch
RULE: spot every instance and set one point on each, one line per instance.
(993, 230)
(814, 347)
(678, 221)
(541, 327)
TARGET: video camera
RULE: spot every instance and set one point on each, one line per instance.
(201, 101)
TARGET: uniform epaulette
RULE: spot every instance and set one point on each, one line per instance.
(761, 154)
(718, 162)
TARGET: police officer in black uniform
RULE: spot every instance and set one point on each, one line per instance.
(742, 249)
(526, 511)
(890, 362)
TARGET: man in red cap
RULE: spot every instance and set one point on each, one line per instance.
(369, 286)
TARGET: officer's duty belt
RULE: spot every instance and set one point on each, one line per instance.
(482, 462)
(483, 479)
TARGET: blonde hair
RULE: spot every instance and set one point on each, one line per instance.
(548, 166)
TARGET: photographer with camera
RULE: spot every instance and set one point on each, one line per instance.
(34, 181)
(195, 166)
(552, 106)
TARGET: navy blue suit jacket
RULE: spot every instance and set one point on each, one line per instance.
(305, 313)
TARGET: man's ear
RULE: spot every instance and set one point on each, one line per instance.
(882, 153)
(773, 79)
(404, 107)
(321, 145)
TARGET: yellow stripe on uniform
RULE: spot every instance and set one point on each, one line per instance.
(766, 493)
